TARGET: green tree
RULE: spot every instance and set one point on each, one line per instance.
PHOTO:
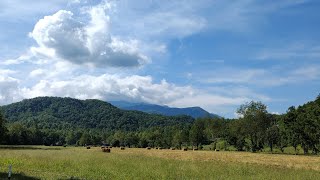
(71, 138)
(283, 140)
(196, 133)
(177, 139)
(2, 128)
(119, 136)
(256, 122)
(85, 139)
(272, 136)
(19, 134)
(131, 139)
(236, 134)
(292, 126)
(309, 124)
(215, 129)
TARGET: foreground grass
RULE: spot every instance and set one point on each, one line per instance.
(70, 162)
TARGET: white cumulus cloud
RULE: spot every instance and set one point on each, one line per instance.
(9, 91)
(64, 36)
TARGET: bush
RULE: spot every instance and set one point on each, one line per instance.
(222, 145)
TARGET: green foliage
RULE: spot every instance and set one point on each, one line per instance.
(272, 136)
(197, 133)
(85, 139)
(55, 121)
(67, 113)
(59, 121)
(303, 124)
(256, 122)
(2, 127)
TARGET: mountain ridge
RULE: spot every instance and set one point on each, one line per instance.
(64, 113)
(195, 111)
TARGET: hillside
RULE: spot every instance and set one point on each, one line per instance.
(69, 113)
(195, 112)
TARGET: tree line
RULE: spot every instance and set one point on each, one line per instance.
(254, 130)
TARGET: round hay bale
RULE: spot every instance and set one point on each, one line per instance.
(107, 150)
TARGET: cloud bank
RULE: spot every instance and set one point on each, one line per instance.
(103, 49)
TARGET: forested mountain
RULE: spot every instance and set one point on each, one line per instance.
(68, 113)
(195, 112)
(57, 121)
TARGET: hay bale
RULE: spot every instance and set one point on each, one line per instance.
(107, 150)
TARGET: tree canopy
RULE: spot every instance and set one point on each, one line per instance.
(58, 121)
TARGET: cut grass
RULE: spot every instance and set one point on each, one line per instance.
(81, 163)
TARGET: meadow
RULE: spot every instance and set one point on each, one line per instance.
(41, 162)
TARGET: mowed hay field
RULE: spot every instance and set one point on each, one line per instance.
(36, 162)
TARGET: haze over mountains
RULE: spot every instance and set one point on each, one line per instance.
(195, 112)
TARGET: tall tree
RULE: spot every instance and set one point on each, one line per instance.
(85, 139)
(177, 139)
(215, 129)
(272, 136)
(70, 138)
(256, 121)
(290, 121)
(236, 134)
(283, 140)
(309, 124)
(2, 128)
(196, 133)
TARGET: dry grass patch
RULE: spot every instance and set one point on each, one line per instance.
(152, 164)
(287, 161)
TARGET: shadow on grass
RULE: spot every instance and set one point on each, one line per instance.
(17, 177)
(72, 178)
(29, 148)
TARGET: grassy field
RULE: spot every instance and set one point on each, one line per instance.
(34, 162)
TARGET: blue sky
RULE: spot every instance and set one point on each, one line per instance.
(215, 54)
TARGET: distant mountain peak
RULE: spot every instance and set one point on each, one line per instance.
(195, 112)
